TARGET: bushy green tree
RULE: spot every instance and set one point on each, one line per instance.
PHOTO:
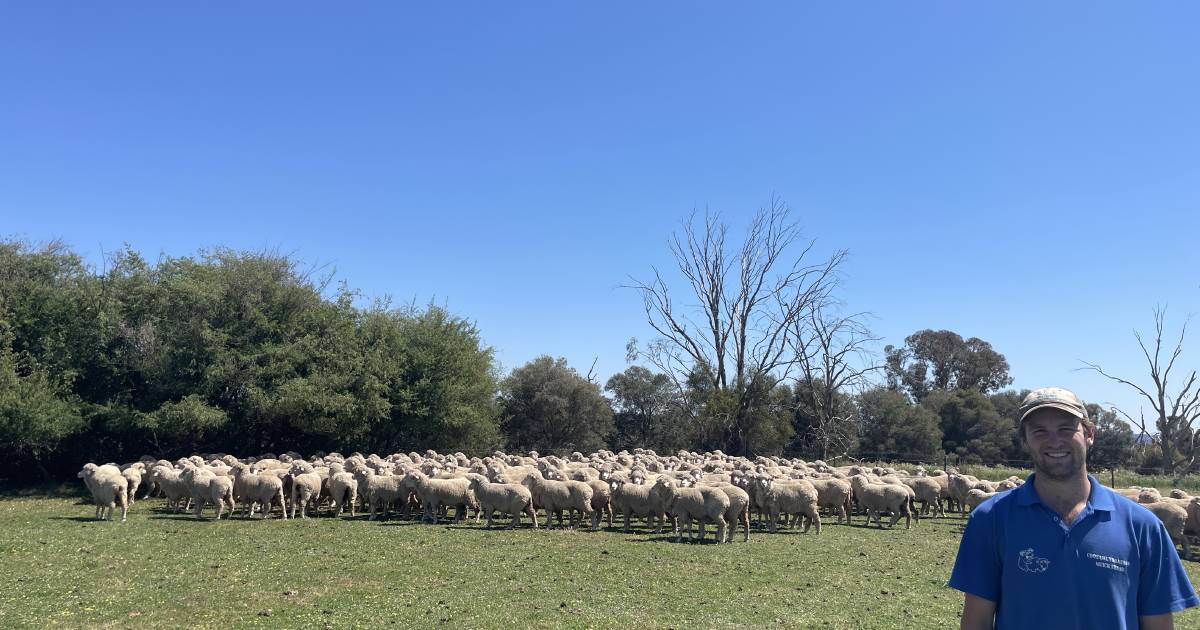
(941, 360)
(648, 412)
(547, 406)
(894, 428)
(1114, 443)
(971, 428)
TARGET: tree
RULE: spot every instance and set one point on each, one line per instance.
(747, 300)
(546, 405)
(970, 426)
(1175, 409)
(941, 360)
(1114, 443)
(894, 428)
(648, 411)
(35, 411)
(833, 358)
(1008, 405)
(181, 427)
(820, 429)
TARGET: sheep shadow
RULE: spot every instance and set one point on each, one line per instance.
(77, 519)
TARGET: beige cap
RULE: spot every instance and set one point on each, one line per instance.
(1055, 397)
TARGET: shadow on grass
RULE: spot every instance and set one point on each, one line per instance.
(43, 491)
(77, 519)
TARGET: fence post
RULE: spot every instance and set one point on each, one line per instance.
(1112, 477)
(945, 461)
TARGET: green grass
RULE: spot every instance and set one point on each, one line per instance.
(62, 569)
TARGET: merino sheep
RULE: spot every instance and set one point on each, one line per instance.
(343, 489)
(787, 497)
(382, 490)
(109, 489)
(306, 487)
(206, 486)
(929, 492)
(631, 499)
(1174, 517)
(509, 498)
(836, 494)
(133, 477)
(974, 497)
(876, 498)
(556, 496)
(253, 489)
(703, 504)
(437, 492)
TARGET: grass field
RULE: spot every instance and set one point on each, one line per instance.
(62, 569)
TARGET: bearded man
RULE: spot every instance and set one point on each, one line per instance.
(1062, 550)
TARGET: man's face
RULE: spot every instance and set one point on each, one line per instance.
(1058, 443)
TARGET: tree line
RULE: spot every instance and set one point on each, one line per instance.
(247, 352)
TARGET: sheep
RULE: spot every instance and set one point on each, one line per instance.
(306, 487)
(1176, 493)
(252, 489)
(510, 498)
(929, 492)
(1174, 517)
(601, 493)
(836, 494)
(109, 489)
(167, 480)
(208, 487)
(777, 497)
(343, 489)
(436, 492)
(738, 512)
(556, 496)
(632, 499)
(875, 498)
(699, 503)
(133, 477)
(382, 489)
(1149, 495)
(974, 497)
(959, 486)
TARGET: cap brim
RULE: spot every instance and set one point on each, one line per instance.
(1074, 411)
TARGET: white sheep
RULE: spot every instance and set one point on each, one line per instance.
(632, 499)
(704, 504)
(787, 497)
(438, 492)
(253, 489)
(343, 489)
(108, 487)
(974, 497)
(556, 496)
(876, 498)
(509, 498)
(208, 487)
(306, 487)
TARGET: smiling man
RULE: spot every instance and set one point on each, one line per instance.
(1063, 551)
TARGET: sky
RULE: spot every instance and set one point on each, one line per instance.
(1027, 173)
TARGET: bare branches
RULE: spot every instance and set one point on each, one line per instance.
(748, 297)
(1176, 412)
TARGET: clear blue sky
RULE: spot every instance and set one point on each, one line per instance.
(1028, 173)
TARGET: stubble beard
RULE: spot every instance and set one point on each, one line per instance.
(1073, 468)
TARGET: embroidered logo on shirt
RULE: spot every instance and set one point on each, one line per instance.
(1108, 562)
(1030, 563)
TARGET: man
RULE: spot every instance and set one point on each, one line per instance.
(1063, 551)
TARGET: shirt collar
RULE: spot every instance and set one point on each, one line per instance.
(1100, 498)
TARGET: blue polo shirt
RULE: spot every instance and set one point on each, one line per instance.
(1112, 565)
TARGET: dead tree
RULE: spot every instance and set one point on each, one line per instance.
(1175, 414)
(736, 321)
(833, 355)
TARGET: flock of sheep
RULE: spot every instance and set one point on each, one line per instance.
(679, 490)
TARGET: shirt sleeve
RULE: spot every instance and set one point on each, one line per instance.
(977, 569)
(1163, 585)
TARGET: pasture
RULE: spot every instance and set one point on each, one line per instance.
(62, 569)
